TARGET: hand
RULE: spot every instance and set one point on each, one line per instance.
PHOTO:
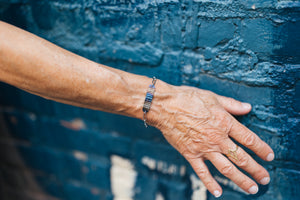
(199, 124)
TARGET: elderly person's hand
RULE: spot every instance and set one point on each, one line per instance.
(199, 124)
(196, 122)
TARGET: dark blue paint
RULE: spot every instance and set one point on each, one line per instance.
(248, 50)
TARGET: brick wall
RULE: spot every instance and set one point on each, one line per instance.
(248, 50)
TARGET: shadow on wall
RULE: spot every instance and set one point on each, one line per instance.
(17, 181)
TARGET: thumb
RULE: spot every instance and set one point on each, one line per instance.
(233, 106)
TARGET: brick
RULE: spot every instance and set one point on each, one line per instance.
(77, 191)
(146, 186)
(173, 190)
(286, 40)
(142, 28)
(287, 4)
(256, 4)
(191, 25)
(167, 70)
(145, 54)
(42, 159)
(284, 178)
(213, 32)
(72, 168)
(171, 33)
(232, 63)
(258, 35)
(235, 90)
(62, 136)
(97, 173)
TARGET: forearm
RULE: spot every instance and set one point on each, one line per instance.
(40, 67)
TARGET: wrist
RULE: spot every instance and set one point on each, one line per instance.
(162, 96)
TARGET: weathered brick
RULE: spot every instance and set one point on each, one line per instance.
(257, 35)
(256, 4)
(248, 50)
(42, 159)
(191, 25)
(173, 190)
(146, 186)
(145, 54)
(75, 135)
(96, 173)
(77, 191)
(171, 26)
(223, 30)
(285, 178)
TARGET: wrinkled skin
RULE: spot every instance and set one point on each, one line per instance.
(199, 124)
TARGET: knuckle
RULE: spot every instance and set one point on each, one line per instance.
(225, 122)
(244, 183)
(227, 170)
(243, 161)
(209, 184)
(202, 173)
(250, 140)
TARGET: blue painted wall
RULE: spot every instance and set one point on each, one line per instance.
(249, 50)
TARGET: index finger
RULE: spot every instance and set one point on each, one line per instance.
(250, 140)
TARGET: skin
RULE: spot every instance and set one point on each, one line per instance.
(198, 123)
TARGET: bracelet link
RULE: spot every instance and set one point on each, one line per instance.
(148, 100)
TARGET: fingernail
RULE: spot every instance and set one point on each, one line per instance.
(265, 180)
(217, 193)
(270, 157)
(246, 105)
(253, 190)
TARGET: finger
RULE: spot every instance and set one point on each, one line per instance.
(230, 171)
(242, 159)
(250, 140)
(203, 173)
(233, 106)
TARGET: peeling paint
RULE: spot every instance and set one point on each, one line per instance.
(150, 163)
(75, 124)
(163, 166)
(80, 155)
(159, 196)
(199, 190)
(123, 178)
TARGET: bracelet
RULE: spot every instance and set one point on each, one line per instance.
(148, 100)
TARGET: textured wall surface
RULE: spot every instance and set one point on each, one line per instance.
(246, 49)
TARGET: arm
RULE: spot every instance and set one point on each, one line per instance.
(198, 123)
(42, 68)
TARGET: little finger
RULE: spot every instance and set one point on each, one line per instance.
(230, 171)
(203, 173)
